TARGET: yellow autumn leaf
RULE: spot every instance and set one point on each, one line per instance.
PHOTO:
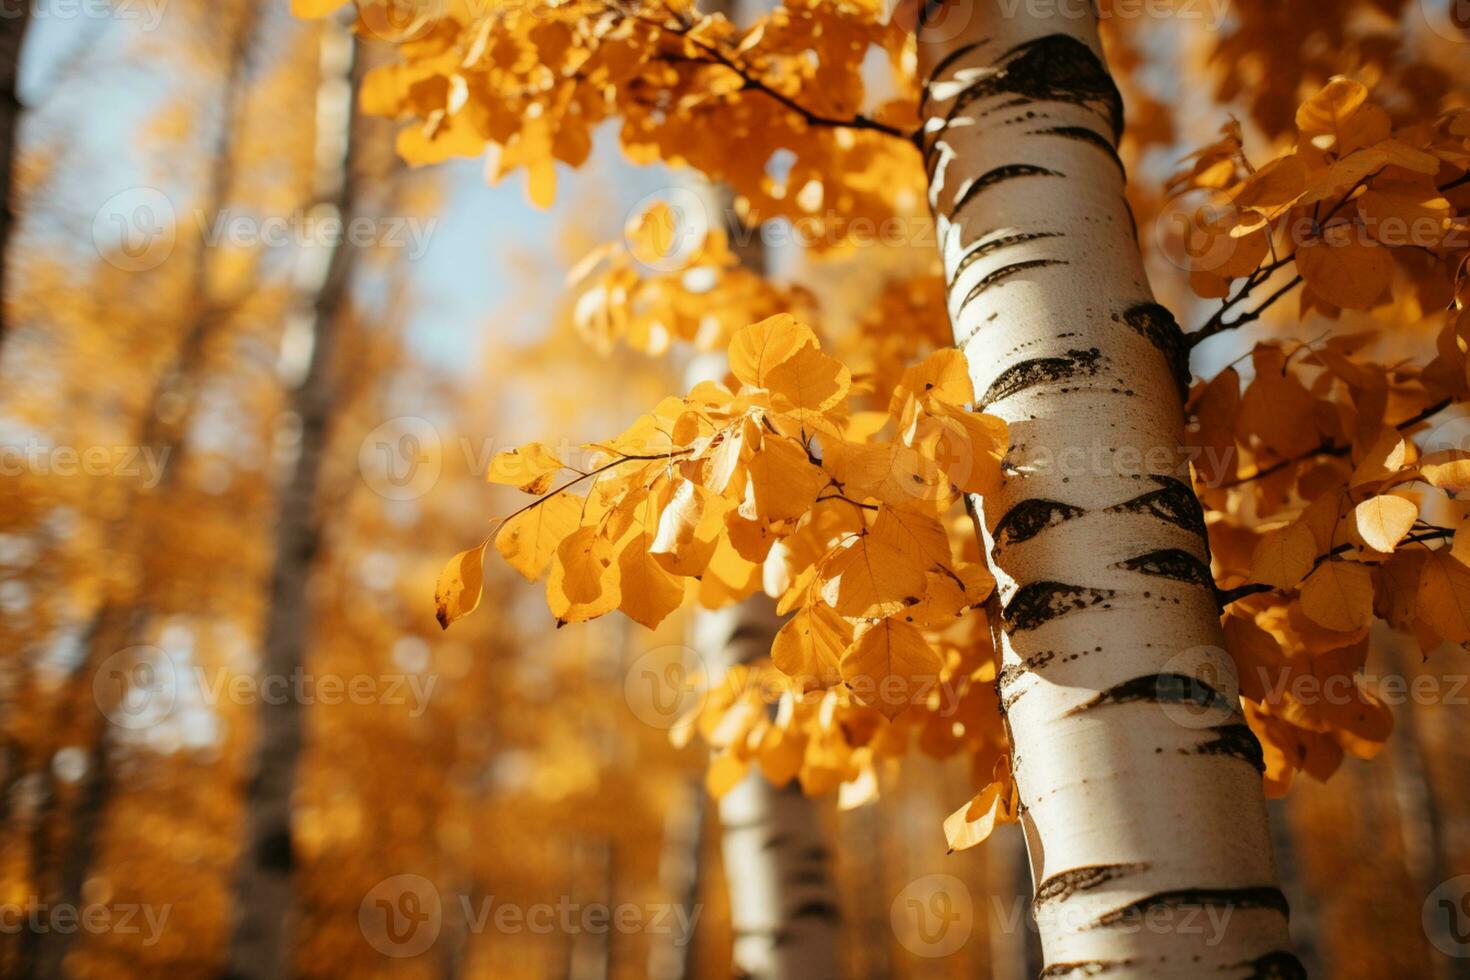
(783, 481)
(1283, 556)
(457, 593)
(1444, 596)
(943, 376)
(808, 385)
(992, 807)
(688, 528)
(529, 539)
(1383, 521)
(583, 583)
(1345, 267)
(1339, 596)
(648, 593)
(315, 8)
(808, 649)
(757, 349)
(531, 467)
(1327, 118)
(890, 666)
(1449, 470)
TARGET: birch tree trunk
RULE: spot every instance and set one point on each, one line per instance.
(783, 905)
(260, 948)
(1139, 780)
(15, 19)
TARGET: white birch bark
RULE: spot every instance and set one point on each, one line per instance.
(783, 905)
(1139, 780)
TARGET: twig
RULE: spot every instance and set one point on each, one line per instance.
(1330, 448)
(717, 57)
(1219, 325)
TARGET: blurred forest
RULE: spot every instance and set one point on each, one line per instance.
(239, 450)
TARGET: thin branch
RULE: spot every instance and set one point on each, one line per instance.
(1330, 448)
(1217, 325)
(717, 57)
(571, 483)
(1459, 181)
(1227, 596)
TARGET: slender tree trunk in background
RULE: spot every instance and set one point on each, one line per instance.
(58, 872)
(15, 18)
(260, 948)
(783, 905)
(1421, 830)
(680, 873)
(1140, 784)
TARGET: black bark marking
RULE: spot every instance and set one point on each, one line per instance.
(1062, 886)
(1054, 68)
(1083, 968)
(992, 245)
(820, 910)
(1158, 327)
(1030, 517)
(1274, 966)
(930, 8)
(1087, 136)
(1040, 602)
(1172, 563)
(1001, 275)
(1174, 503)
(1235, 740)
(1159, 689)
(1259, 897)
(999, 175)
(1042, 370)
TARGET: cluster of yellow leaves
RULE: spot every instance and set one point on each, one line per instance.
(832, 742)
(1332, 483)
(1349, 199)
(772, 483)
(533, 80)
(1264, 54)
(672, 278)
